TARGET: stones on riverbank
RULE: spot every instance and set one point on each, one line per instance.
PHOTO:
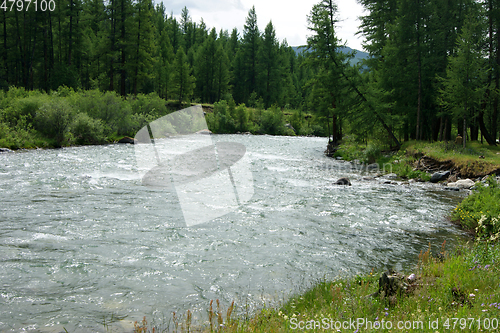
(462, 184)
(5, 150)
(127, 139)
(440, 176)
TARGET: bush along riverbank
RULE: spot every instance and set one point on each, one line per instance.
(34, 119)
(447, 290)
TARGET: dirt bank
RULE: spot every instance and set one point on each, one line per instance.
(467, 169)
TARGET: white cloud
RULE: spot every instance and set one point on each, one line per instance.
(289, 18)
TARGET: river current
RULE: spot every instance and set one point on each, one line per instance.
(86, 247)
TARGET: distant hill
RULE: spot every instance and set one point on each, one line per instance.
(358, 56)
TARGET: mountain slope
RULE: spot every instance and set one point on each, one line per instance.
(358, 56)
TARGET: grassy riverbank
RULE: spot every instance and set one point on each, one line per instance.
(457, 290)
(476, 160)
(31, 119)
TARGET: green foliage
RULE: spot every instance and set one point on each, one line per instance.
(182, 80)
(272, 121)
(24, 107)
(86, 130)
(148, 104)
(65, 117)
(463, 88)
(53, 119)
(241, 113)
(480, 212)
(371, 153)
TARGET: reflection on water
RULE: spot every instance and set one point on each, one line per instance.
(86, 247)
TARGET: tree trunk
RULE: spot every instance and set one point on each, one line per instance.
(5, 48)
(136, 74)
(464, 137)
(123, 53)
(484, 130)
(70, 37)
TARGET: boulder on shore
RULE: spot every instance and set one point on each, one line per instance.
(5, 150)
(392, 283)
(462, 184)
(343, 181)
(439, 176)
(127, 139)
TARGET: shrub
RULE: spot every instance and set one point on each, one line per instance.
(24, 107)
(296, 121)
(371, 153)
(223, 122)
(53, 120)
(86, 130)
(272, 121)
(150, 104)
(241, 113)
(480, 212)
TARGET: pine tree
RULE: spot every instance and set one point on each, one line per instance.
(182, 80)
(463, 88)
(329, 64)
(268, 67)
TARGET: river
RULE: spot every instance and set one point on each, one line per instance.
(87, 248)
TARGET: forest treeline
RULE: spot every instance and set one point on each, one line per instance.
(433, 70)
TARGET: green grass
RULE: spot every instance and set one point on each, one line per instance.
(475, 160)
(480, 212)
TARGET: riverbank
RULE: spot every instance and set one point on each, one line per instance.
(455, 290)
(62, 118)
(419, 160)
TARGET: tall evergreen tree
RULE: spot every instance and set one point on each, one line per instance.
(182, 80)
(268, 67)
(464, 88)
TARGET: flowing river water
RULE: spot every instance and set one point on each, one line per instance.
(85, 247)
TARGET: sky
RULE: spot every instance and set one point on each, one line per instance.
(289, 17)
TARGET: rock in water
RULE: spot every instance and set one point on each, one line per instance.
(439, 176)
(462, 184)
(343, 181)
(127, 139)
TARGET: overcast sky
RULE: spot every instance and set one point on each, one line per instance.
(289, 17)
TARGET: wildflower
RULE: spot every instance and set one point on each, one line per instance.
(386, 314)
(487, 266)
(472, 295)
